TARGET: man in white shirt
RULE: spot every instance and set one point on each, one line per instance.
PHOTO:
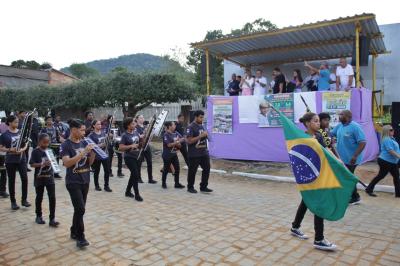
(332, 79)
(260, 84)
(344, 76)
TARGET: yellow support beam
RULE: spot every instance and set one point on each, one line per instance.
(358, 30)
(208, 80)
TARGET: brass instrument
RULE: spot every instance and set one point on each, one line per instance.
(25, 130)
(153, 129)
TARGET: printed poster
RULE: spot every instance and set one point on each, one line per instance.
(335, 102)
(284, 102)
(222, 115)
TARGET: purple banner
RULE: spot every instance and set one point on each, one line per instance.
(249, 142)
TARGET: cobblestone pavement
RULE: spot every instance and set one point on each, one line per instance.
(244, 222)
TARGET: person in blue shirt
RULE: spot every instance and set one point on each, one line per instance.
(351, 142)
(324, 75)
(388, 161)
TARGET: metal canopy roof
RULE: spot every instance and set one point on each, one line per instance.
(316, 41)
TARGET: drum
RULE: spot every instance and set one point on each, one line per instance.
(117, 140)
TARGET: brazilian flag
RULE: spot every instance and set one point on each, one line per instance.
(325, 183)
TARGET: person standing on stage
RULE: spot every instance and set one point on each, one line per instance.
(43, 179)
(99, 136)
(116, 133)
(52, 132)
(77, 158)
(233, 86)
(130, 146)
(88, 122)
(198, 153)
(171, 143)
(180, 128)
(311, 122)
(279, 81)
(344, 76)
(388, 161)
(140, 128)
(260, 83)
(350, 145)
(247, 83)
(15, 160)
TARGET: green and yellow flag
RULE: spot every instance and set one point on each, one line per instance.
(324, 182)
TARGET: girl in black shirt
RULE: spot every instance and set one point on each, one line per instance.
(130, 146)
(43, 179)
(98, 136)
(171, 143)
(311, 122)
(15, 160)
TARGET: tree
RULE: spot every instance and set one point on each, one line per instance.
(194, 59)
(139, 90)
(82, 71)
(32, 64)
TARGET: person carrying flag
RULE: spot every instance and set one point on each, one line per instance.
(324, 183)
(312, 123)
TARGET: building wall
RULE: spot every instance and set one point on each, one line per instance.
(387, 67)
(59, 78)
(14, 82)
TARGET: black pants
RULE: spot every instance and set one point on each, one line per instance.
(51, 193)
(194, 162)
(384, 168)
(11, 172)
(167, 163)
(106, 168)
(147, 156)
(3, 174)
(111, 156)
(318, 221)
(355, 194)
(133, 165)
(78, 194)
(184, 152)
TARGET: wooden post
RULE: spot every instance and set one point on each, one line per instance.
(208, 81)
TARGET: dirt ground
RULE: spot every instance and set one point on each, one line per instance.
(365, 172)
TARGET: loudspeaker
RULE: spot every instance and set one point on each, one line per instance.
(364, 51)
(396, 120)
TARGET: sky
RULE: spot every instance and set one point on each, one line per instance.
(76, 31)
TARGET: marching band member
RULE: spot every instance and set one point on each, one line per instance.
(311, 122)
(171, 143)
(88, 122)
(15, 160)
(3, 171)
(43, 178)
(21, 115)
(181, 130)
(77, 158)
(52, 132)
(98, 136)
(116, 133)
(198, 153)
(140, 128)
(130, 146)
